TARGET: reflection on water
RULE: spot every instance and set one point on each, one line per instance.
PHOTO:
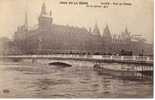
(43, 81)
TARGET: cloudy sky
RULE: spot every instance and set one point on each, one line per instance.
(138, 17)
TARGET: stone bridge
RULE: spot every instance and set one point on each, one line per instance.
(78, 59)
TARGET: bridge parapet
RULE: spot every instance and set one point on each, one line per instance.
(95, 57)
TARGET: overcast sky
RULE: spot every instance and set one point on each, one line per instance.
(138, 17)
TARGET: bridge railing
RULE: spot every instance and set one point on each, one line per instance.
(101, 57)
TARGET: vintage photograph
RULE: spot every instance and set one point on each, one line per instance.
(76, 48)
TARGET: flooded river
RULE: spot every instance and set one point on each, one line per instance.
(78, 81)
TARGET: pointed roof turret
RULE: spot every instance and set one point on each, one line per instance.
(43, 9)
(107, 33)
(127, 34)
(126, 30)
(107, 30)
(96, 30)
(26, 20)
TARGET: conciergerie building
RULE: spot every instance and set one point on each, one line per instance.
(48, 37)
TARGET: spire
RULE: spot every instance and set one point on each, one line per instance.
(107, 31)
(126, 30)
(26, 20)
(43, 9)
(127, 34)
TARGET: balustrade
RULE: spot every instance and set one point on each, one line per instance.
(100, 57)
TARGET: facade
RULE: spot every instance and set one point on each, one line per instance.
(49, 38)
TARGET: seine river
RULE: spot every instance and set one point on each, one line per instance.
(79, 81)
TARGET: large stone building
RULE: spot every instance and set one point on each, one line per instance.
(49, 37)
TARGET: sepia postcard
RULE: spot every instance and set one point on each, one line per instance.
(76, 48)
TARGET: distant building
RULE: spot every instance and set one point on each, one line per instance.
(47, 37)
(51, 37)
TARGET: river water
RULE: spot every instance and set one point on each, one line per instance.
(79, 81)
